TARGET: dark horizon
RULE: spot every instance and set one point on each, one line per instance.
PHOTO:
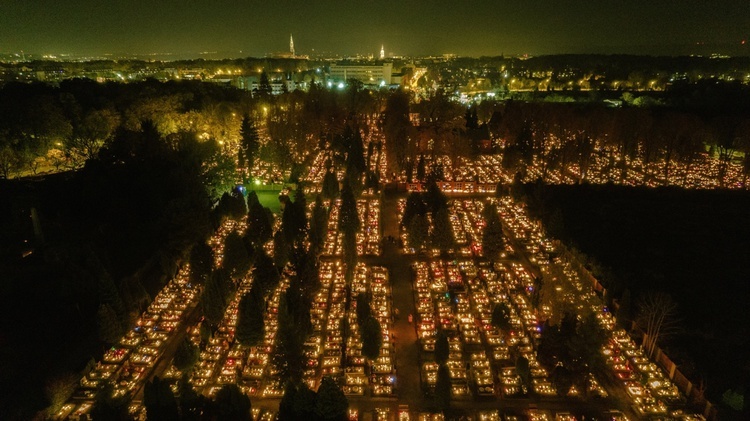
(484, 28)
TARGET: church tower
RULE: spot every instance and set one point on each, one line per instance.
(291, 45)
(382, 51)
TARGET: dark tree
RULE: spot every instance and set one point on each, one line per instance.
(348, 217)
(260, 224)
(417, 232)
(108, 324)
(331, 403)
(364, 307)
(233, 405)
(396, 128)
(294, 220)
(237, 261)
(265, 273)
(159, 401)
(330, 185)
(289, 356)
(443, 388)
(264, 86)
(318, 224)
(442, 347)
(524, 372)
(249, 143)
(186, 356)
(501, 317)
(492, 237)
(372, 338)
(282, 249)
(442, 231)
(415, 205)
(109, 408)
(215, 297)
(251, 328)
(191, 403)
(201, 262)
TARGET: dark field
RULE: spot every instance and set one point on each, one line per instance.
(694, 245)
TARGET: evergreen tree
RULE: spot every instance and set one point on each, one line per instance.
(442, 231)
(492, 237)
(443, 388)
(289, 355)
(159, 401)
(232, 404)
(260, 224)
(237, 261)
(417, 233)
(331, 403)
(109, 408)
(415, 205)
(330, 185)
(265, 272)
(201, 262)
(501, 317)
(249, 143)
(372, 338)
(186, 356)
(318, 224)
(442, 347)
(251, 328)
(264, 87)
(524, 372)
(108, 325)
(191, 403)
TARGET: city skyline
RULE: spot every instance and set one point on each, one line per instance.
(482, 28)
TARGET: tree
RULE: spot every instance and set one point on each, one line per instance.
(251, 327)
(331, 403)
(442, 231)
(249, 143)
(232, 404)
(524, 372)
(108, 324)
(260, 224)
(294, 219)
(298, 403)
(415, 205)
(237, 260)
(265, 272)
(289, 356)
(107, 407)
(372, 338)
(443, 388)
(492, 237)
(417, 233)
(186, 356)
(159, 401)
(330, 189)
(562, 379)
(318, 224)
(657, 316)
(396, 128)
(348, 216)
(501, 317)
(624, 310)
(201, 262)
(191, 403)
(264, 87)
(215, 296)
(442, 347)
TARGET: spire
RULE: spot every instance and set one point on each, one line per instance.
(291, 44)
(382, 51)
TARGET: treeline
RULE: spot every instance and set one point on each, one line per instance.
(557, 136)
(99, 244)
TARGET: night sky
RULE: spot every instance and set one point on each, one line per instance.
(480, 27)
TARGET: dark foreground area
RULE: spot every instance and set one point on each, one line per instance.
(693, 245)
